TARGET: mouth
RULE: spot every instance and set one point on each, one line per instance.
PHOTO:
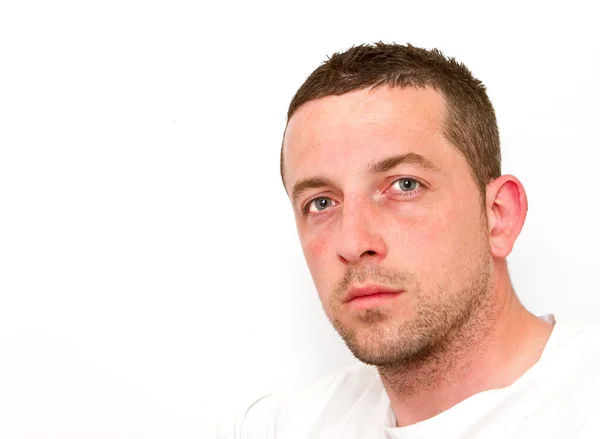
(370, 296)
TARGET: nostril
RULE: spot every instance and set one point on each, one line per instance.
(370, 252)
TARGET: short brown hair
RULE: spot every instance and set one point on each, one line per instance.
(470, 123)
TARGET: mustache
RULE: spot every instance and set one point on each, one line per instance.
(373, 273)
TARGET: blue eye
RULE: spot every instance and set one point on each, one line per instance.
(406, 184)
(319, 204)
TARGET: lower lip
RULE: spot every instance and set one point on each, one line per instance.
(372, 300)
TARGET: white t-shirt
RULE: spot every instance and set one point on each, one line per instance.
(559, 397)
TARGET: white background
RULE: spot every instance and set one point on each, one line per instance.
(150, 274)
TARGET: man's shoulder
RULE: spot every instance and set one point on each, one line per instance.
(342, 386)
(584, 337)
(572, 358)
(575, 369)
(298, 408)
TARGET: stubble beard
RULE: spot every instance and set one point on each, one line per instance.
(441, 321)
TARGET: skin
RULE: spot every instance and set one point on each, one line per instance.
(382, 199)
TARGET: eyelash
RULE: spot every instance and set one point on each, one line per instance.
(306, 207)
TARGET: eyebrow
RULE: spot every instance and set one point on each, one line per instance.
(380, 166)
(410, 158)
(309, 183)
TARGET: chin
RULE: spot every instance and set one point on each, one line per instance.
(381, 344)
(368, 343)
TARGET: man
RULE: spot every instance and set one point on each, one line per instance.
(391, 160)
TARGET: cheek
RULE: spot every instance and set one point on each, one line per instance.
(431, 242)
(319, 260)
(315, 247)
(317, 254)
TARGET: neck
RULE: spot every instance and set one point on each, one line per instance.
(491, 351)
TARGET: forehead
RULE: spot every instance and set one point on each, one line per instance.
(342, 133)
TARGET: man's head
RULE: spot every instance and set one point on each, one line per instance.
(469, 122)
(391, 159)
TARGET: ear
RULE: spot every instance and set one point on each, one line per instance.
(506, 207)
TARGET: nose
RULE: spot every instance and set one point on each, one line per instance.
(360, 234)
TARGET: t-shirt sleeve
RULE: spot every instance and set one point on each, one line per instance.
(256, 421)
(591, 425)
(293, 411)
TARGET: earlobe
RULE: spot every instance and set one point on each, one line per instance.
(506, 205)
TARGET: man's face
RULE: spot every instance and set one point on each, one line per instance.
(386, 208)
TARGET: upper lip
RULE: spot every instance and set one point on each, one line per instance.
(368, 290)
